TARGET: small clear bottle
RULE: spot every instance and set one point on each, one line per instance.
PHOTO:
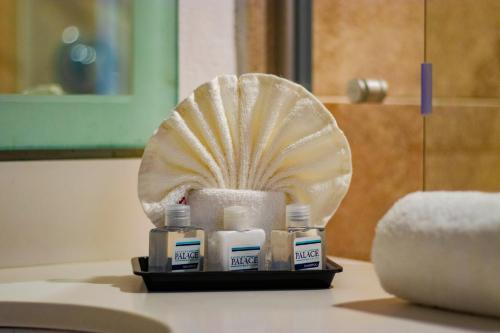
(238, 247)
(177, 246)
(301, 246)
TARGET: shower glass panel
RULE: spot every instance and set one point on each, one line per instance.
(462, 135)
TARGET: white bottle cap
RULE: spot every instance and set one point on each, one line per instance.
(236, 218)
(298, 215)
(177, 215)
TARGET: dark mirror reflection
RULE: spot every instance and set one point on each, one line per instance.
(56, 47)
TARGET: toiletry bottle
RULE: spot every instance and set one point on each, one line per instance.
(177, 246)
(299, 247)
(238, 247)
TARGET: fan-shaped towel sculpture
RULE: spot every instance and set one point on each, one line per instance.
(256, 133)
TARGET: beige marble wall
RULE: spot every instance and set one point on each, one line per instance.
(463, 132)
(463, 43)
(385, 38)
(371, 39)
(462, 152)
(368, 39)
(463, 148)
(387, 144)
(8, 46)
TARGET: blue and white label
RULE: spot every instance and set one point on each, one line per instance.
(186, 255)
(307, 253)
(244, 258)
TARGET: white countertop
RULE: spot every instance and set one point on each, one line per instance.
(356, 303)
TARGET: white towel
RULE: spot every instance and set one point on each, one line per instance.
(442, 249)
(257, 132)
(266, 209)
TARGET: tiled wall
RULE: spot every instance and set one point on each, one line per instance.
(371, 39)
(8, 68)
(386, 143)
(385, 39)
(463, 132)
(367, 39)
(463, 148)
(463, 43)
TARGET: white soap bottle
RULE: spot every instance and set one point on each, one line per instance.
(177, 246)
(238, 247)
(301, 246)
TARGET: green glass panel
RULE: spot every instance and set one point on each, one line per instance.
(29, 122)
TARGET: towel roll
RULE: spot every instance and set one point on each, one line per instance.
(266, 209)
(442, 249)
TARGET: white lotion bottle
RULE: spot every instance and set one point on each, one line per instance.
(177, 246)
(301, 246)
(238, 247)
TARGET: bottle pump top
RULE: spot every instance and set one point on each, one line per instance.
(298, 215)
(236, 218)
(177, 215)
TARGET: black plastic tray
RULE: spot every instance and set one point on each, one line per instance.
(250, 280)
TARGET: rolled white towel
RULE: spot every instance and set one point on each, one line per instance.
(442, 249)
(266, 209)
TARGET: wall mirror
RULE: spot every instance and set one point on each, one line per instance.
(84, 78)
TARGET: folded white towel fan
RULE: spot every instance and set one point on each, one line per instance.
(253, 133)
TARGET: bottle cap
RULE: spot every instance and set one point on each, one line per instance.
(298, 215)
(177, 215)
(236, 218)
